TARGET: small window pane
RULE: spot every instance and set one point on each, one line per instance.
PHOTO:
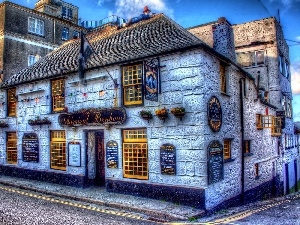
(132, 84)
(227, 149)
(11, 148)
(260, 58)
(223, 77)
(247, 146)
(58, 150)
(58, 95)
(245, 59)
(135, 154)
(12, 102)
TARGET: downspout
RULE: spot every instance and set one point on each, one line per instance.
(243, 141)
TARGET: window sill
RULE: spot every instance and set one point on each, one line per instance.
(228, 160)
(254, 66)
(225, 94)
(248, 154)
(32, 91)
(87, 79)
(56, 112)
(39, 35)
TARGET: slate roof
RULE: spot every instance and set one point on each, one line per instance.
(146, 38)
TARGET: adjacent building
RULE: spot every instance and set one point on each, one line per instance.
(161, 112)
(26, 35)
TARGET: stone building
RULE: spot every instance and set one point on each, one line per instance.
(158, 113)
(263, 52)
(26, 34)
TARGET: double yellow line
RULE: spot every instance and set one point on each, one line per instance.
(89, 207)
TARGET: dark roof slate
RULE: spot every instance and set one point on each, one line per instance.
(154, 36)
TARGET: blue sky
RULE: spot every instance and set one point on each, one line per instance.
(190, 13)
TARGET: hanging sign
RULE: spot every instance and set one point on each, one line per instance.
(168, 159)
(112, 154)
(215, 162)
(30, 147)
(214, 114)
(74, 154)
(151, 80)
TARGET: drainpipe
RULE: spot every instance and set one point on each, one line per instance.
(243, 141)
(54, 33)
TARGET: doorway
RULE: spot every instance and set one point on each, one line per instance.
(100, 158)
(95, 164)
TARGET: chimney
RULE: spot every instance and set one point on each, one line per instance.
(224, 38)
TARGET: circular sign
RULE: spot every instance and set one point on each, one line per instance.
(214, 114)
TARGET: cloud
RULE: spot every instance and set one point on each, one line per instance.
(295, 73)
(131, 8)
(286, 3)
(298, 38)
(100, 2)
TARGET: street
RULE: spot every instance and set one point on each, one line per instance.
(284, 210)
(19, 207)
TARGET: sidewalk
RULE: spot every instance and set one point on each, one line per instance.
(154, 209)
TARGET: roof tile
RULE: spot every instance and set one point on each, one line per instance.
(156, 35)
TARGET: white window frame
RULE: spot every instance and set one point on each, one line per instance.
(36, 26)
(32, 59)
(68, 13)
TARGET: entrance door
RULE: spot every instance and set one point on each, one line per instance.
(100, 158)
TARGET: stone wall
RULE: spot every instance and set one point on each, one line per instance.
(188, 79)
(218, 35)
(16, 55)
(254, 32)
(205, 33)
(19, 43)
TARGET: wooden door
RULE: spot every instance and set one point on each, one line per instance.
(100, 158)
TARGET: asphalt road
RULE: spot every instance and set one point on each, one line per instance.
(281, 211)
(19, 207)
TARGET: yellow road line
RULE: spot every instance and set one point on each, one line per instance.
(76, 204)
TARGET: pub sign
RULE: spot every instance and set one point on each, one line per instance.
(30, 147)
(214, 114)
(215, 162)
(168, 159)
(112, 154)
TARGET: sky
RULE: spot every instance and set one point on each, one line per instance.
(189, 13)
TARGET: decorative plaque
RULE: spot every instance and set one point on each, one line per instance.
(214, 114)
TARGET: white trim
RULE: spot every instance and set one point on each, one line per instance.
(28, 42)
